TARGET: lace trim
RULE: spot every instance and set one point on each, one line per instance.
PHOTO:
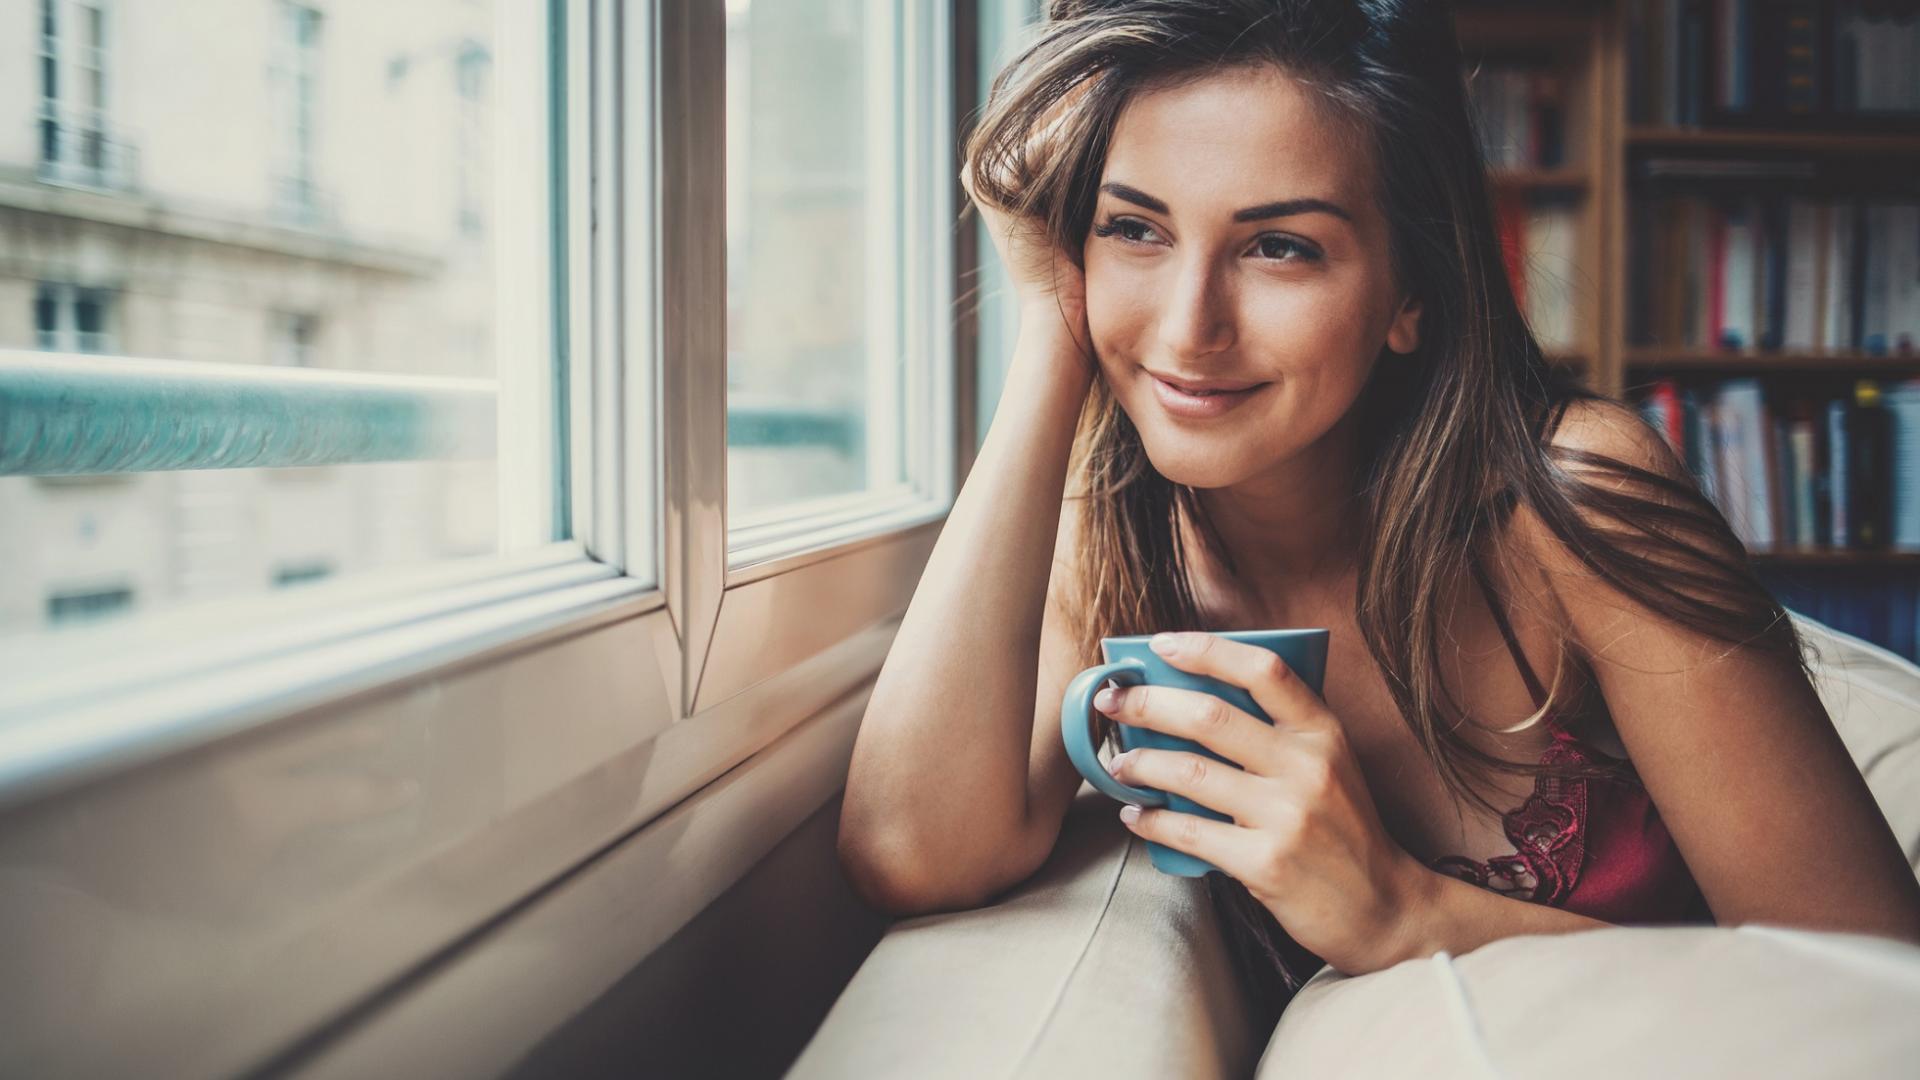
(1548, 833)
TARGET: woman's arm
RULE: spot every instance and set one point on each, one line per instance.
(1446, 912)
(1756, 787)
(936, 812)
(1734, 746)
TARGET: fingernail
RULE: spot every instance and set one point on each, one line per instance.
(1113, 766)
(1163, 644)
(1106, 699)
(1129, 813)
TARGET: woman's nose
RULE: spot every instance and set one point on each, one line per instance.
(1197, 317)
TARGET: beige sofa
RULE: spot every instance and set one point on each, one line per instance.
(1101, 966)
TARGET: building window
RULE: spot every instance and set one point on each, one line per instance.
(296, 573)
(73, 318)
(75, 144)
(297, 77)
(470, 83)
(296, 337)
(79, 605)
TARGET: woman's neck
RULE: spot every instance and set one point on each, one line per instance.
(1294, 531)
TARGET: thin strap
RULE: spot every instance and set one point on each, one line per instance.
(1506, 631)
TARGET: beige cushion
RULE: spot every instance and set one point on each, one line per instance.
(1099, 965)
(1699, 1002)
(1874, 698)
(1102, 966)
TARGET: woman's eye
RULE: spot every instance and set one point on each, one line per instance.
(1131, 230)
(1284, 248)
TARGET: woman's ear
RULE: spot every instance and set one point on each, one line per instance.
(1404, 335)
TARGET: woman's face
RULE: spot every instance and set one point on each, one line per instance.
(1236, 240)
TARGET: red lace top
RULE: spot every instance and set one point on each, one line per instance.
(1592, 846)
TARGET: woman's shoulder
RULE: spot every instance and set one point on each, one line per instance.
(1582, 431)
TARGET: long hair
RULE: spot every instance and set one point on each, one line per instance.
(1459, 434)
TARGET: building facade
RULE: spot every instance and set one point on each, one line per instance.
(272, 182)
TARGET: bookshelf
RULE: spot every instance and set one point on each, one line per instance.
(1625, 155)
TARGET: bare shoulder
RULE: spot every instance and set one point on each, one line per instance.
(1614, 459)
(1595, 430)
(1629, 493)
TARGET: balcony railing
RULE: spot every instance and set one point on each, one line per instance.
(65, 414)
(68, 414)
(80, 154)
(300, 201)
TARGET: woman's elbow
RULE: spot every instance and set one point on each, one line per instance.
(887, 877)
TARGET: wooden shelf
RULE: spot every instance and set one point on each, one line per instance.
(1484, 26)
(1652, 360)
(1833, 557)
(1564, 178)
(1802, 142)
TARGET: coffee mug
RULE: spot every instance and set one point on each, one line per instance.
(1131, 663)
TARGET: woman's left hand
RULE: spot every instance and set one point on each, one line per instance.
(1305, 839)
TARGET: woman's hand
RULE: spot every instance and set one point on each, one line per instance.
(1048, 284)
(1305, 838)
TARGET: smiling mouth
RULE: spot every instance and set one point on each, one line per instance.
(1200, 401)
(1206, 387)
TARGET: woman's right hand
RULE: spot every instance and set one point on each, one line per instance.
(1048, 285)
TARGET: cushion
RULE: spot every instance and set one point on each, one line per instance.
(1702, 1002)
(1102, 965)
(1098, 965)
(1874, 698)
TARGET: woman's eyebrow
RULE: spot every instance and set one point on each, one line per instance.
(1283, 208)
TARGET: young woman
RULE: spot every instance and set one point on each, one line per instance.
(1270, 358)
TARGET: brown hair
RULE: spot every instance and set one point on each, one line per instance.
(1460, 433)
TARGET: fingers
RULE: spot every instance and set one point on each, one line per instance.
(1273, 685)
(1208, 720)
(1216, 785)
(1233, 848)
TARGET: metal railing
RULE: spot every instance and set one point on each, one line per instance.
(66, 414)
(78, 154)
(70, 414)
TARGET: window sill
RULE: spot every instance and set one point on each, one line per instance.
(79, 702)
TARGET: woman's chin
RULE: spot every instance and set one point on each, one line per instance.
(1191, 465)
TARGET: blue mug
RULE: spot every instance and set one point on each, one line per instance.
(1131, 663)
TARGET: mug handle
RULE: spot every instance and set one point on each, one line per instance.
(1076, 727)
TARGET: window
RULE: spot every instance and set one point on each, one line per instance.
(76, 144)
(1003, 26)
(832, 248)
(210, 352)
(416, 579)
(295, 334)
(82, 604)
(297, 76)
(297, 572)
(470, 74)
(71, 318)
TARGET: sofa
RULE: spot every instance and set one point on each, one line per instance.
(1099, 965)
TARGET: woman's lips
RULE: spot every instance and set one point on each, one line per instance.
(1199, 406)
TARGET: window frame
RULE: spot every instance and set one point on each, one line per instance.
(741, 655)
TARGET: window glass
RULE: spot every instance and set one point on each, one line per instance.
(814, 344)
(1003, 27)
(315, 276)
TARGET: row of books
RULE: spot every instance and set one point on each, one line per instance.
(1522, 116)
(1540, 239)
(1796, 472)
(1771, 61)
(1774, 273)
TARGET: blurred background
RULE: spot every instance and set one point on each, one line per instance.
(1710, 210)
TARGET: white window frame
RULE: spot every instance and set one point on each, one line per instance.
(570, 693)
(66, 335)
(73, 61)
